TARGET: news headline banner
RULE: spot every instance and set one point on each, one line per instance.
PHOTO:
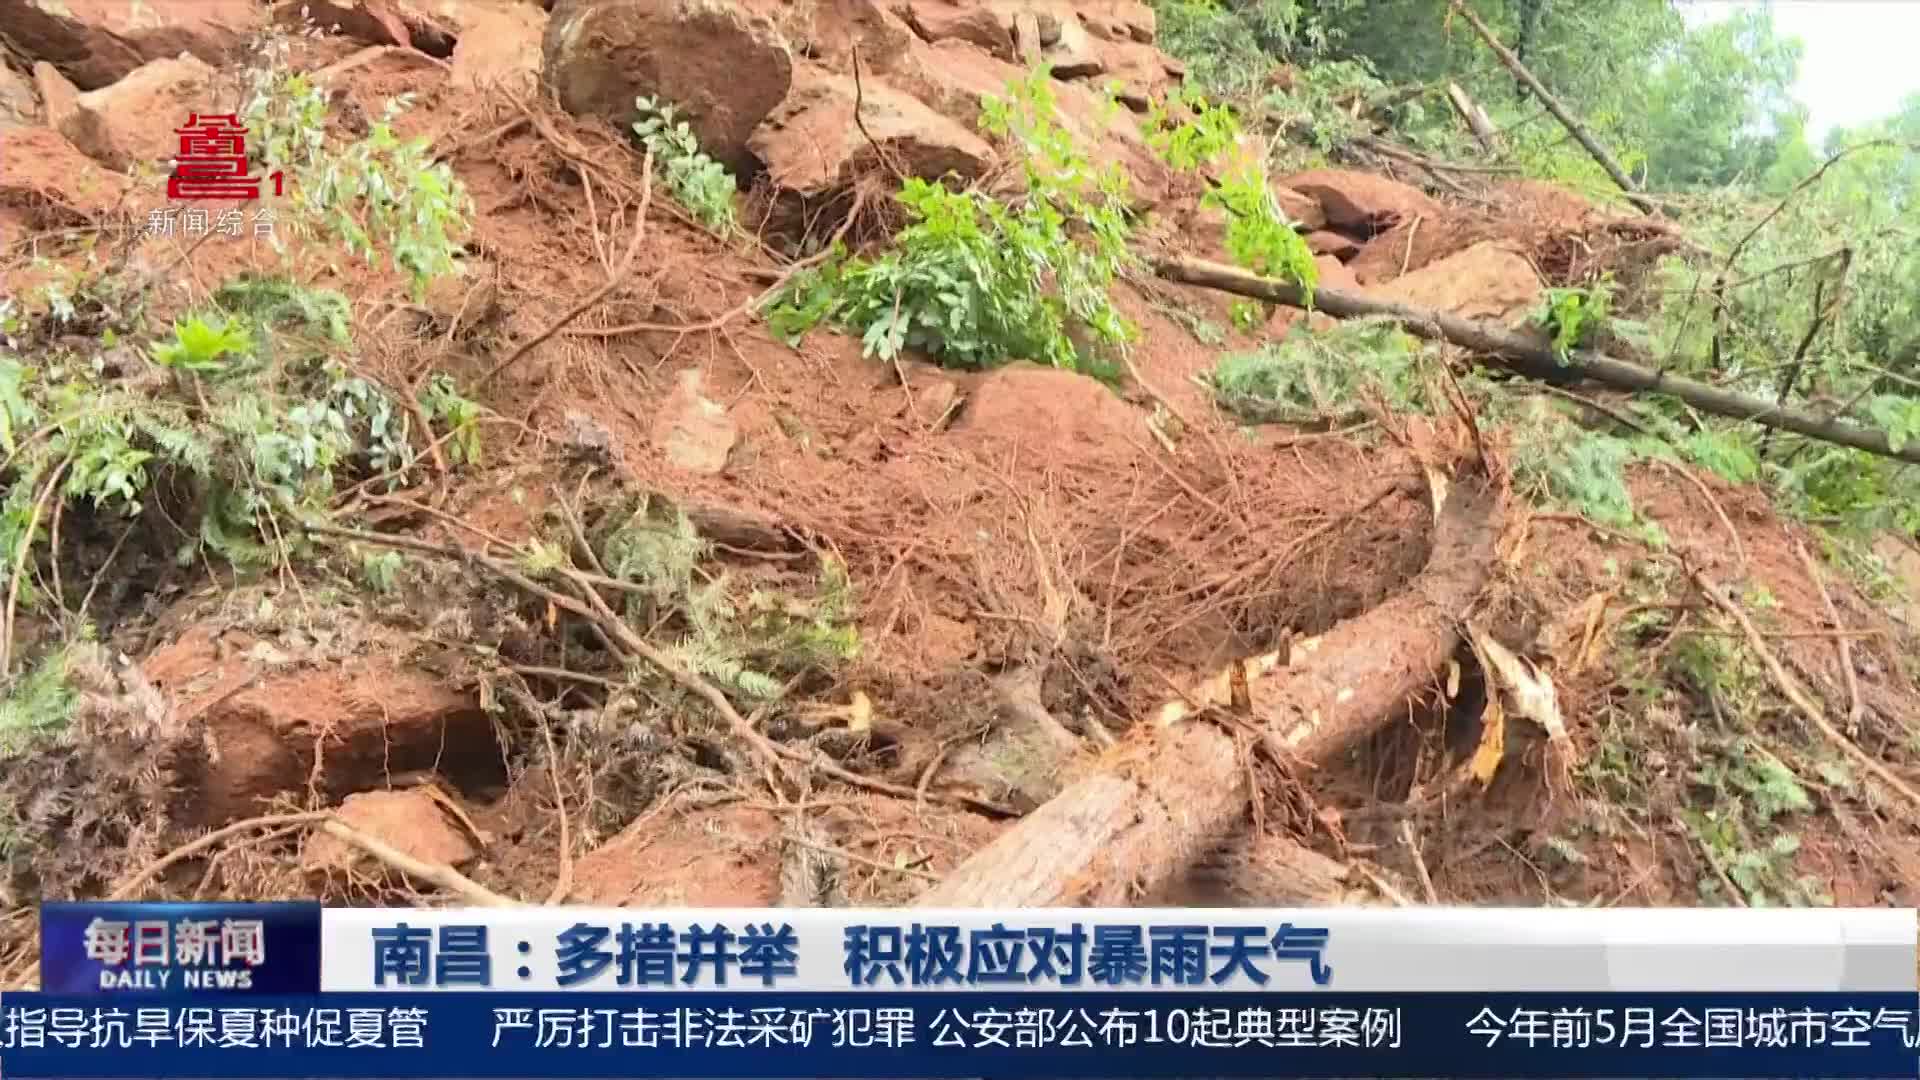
(200, 949)
(1008, 1036)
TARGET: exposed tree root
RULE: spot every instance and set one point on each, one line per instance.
(1170, 792)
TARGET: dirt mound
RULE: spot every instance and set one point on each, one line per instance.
(274, 727)
(1569, 241)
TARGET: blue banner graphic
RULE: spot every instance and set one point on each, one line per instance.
(752, 1035)
(180, 949)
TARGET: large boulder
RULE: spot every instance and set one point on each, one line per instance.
(811, 144)
(1047, 411)
(499, 46)
(1361, 202)
(833, 29)
(96, 42)
(408, 820)
(133, 121)
(1486, 281)
(722, 67)
(19, 106)
(1109, 20)
(953, 20)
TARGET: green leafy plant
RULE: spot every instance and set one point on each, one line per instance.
(1259, 237)
(973, 281)
(382, 570)
(1208, 132)
(199, 346)
(444, 403)
(1573, 316)
(751, 644)
(379, 195)
(698, 182)
(252, 442)
(36, 705)
(1899, 417)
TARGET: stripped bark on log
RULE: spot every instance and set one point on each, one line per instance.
(1171, 792)
(1531, 356)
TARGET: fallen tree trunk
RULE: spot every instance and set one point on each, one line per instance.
(1598, 152)
(1171, 792)
(1532, 357)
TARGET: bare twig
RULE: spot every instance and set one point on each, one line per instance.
(752, 303)
(862, 860)
(1822, 309)
(1419, 862)
(186, 851)
(1840, 638)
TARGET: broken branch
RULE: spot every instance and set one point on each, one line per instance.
(1533, 358)
(1585, 138)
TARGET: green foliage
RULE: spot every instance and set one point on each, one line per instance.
(1571, 316)
(444, 403)
(35, 705)
(288, 308)
(1208, 133)
(201, 347)
(1311, 378)
(1316, 110)
(382, 570)
(1844, 240)
(1728, 453)
(250, 431)
(1559, 463)
(1258, 236)
(381, 194)
(1899, 417)
(751, 645)
(1741, 832)
(1228, 47)
(972, 281)
(698, 182)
